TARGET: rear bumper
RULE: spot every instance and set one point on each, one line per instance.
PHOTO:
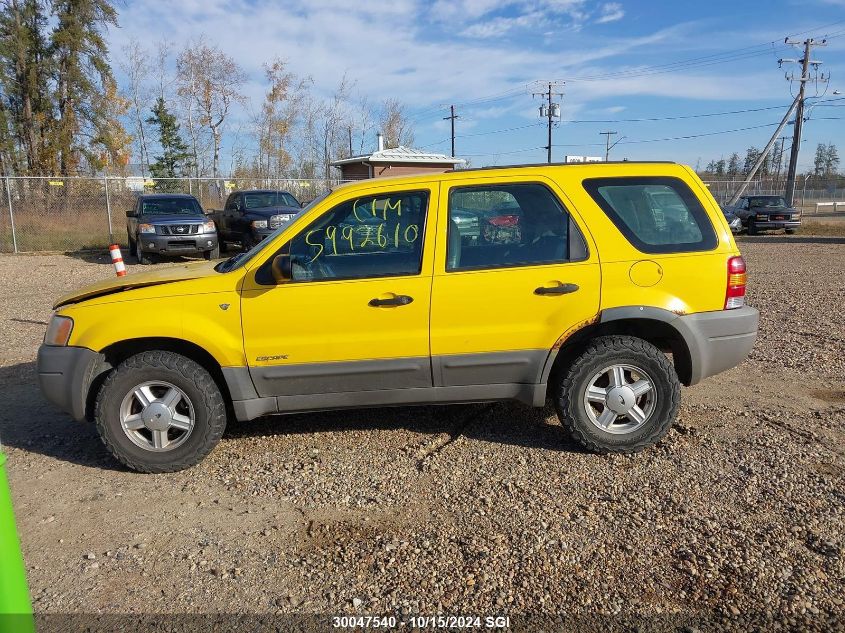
(176, 244)
(719, 340)
(65, 375)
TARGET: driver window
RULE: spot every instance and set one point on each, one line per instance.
(373, 236)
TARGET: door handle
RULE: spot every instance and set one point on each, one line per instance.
(398, 300)
(561, 289)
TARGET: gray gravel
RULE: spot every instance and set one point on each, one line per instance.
(737, 515)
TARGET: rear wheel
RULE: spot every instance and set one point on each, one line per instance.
(620, 395)
(160, 412)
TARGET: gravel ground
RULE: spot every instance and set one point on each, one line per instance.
(736, 518)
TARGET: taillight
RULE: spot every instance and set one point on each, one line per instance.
(737, 279)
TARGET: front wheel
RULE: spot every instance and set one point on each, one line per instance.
(790, 231)
(214, 253)
(139, 254)
(620, 395)
(752, 228)
(160, 412)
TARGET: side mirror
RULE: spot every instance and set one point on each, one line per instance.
(303, 204)
(130, 213)
(282, 269)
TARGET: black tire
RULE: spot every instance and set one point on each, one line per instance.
(140, 257)
(752, 228)
(192, 379)
(790, 231)
(603, 352)
(130, 243)
(247, 242)
(214, 253)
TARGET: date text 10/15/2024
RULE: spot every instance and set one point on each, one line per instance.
(422, 622)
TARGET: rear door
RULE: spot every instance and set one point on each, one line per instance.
(514, 273)
(355, 316)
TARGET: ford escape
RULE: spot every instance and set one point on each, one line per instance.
(599, 287)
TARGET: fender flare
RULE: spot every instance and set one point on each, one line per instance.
(641, 313)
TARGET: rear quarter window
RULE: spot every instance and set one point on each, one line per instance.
(656, 214)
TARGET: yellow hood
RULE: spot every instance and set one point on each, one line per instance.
(137, 280)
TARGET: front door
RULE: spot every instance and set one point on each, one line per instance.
(515, 274)
(355, 315)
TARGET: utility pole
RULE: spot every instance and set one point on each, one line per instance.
(550, 111)
(607, 144)
(805, 62)
(452, 118)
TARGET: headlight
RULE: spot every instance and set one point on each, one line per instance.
(796, 216)
(259, 224)
(146, 228)
(58, 331)
(208, 227)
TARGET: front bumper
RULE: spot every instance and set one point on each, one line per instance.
(65, 375)
(261, 234)
(718, 340)
(176, 244)
(771, 225)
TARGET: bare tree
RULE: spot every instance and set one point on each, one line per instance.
(333, 117)
(275, 122)
(136, 66)
(213, 81)
(394, 124)
(209, 83)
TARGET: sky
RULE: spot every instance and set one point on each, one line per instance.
(614, 61)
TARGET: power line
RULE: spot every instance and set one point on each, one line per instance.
(675, 118)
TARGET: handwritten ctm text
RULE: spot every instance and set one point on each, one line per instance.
(371, 227)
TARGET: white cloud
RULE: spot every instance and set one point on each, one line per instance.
(610, 12)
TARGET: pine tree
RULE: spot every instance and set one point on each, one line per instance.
(751, 156)
(87, 126)
(819, 160)
(831, 160)
(733, 164)
(174, 159)
(24, 75)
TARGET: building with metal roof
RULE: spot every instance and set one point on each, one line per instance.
(394, 161)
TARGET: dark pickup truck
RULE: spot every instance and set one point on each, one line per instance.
(765, 213)
(170, 224)
(251, 215)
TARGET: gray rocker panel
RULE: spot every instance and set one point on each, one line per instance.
(336, 377)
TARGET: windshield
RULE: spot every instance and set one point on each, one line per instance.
(170, 206)
(263, 199)
(241, 259)
(774, 201)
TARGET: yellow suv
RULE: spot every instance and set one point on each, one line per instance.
(574, 283)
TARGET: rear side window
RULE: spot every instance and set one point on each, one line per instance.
(655, 214)
(506, 225)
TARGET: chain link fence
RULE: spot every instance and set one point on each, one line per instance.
(77, 213)
(807, 191)
(40, 214)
